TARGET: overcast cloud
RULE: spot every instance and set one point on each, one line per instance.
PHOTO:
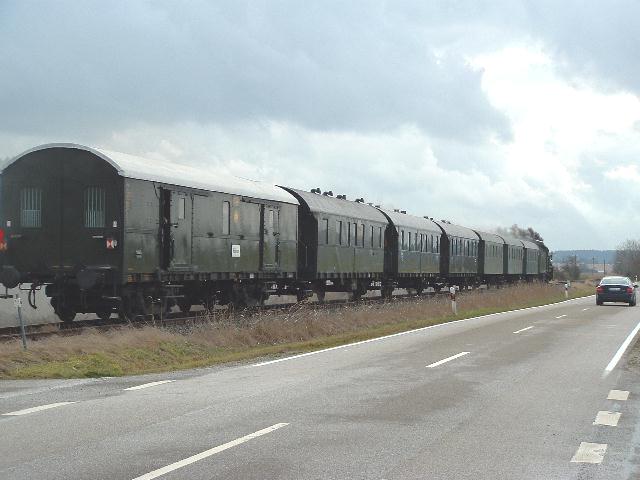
(485, 113)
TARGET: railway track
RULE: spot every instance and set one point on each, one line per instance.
(41, 331)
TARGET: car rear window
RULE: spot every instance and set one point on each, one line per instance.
(615, 281)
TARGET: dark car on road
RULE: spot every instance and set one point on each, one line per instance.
(616, 289)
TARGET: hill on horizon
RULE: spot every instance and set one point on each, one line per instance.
(585, 256)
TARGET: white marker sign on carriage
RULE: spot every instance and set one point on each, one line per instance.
(235, 251)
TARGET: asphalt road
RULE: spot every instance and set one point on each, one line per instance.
(528, 397)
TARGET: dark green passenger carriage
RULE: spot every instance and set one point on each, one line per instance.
(341, 244)
(106, 231)
(458, 253)
(490, 258)
(413, 251)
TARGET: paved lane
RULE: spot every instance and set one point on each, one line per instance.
(504, 396)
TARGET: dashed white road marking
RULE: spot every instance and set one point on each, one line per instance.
(623, 348)
(207, 453)
(408, 332)
(622, 395)
(585, 309)
(607, 418)
(448, 359)
(38, 409)
(150, 384)
(524, 329)
(562, 316)
(590, 453)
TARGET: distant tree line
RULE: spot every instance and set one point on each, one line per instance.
(524, 233)
(627, 259)
(569, 271)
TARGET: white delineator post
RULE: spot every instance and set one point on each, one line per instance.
(17, 301)
(566, 290)
(452, 295)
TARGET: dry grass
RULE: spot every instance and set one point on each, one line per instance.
(222, 339)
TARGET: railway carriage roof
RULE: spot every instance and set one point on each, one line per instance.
(514, 242)
(403, 220)
(490, 237)
(452, 230)
(190, 176)
(334, 206)
(530, 245)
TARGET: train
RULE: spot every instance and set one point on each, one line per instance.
(108, 233)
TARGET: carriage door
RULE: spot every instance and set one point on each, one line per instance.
(270, 237)
(180, 237)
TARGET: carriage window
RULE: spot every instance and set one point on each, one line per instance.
(410, 241)
(362, 234)
(326, 231)
(349, 233)
(275, 220)
(94, 207)
(31, 207)
(403, 246)
(372, 230)
(339, 231)
(181, 208)
(355, 234)
(380, 237)
(226, 224)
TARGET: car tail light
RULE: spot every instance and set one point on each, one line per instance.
(629, 290)
(600, 289)
(3, 242)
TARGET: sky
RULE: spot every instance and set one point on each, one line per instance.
(484, 113)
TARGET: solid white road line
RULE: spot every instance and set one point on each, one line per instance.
(622, 395)
(607, 418)
(562, 316)
(524, 329)
(616, 358)
(590, 453)
(448, 359)
(207, 453)
(38, 409)
(407, 332)
(150, 384)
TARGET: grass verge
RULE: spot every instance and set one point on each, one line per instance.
(222, 339)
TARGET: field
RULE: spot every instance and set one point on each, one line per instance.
(220, 338)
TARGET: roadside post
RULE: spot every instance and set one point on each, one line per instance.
(452, 295)
(566, 289)
(17, 301)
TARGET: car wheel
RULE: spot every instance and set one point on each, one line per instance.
(598, 301)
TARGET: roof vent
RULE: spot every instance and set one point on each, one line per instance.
(328, 194)
(342, 197)
(397, 210)
(360, 200)
(403, 211)
(377, 206)
(315, 190)
(370, 203)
